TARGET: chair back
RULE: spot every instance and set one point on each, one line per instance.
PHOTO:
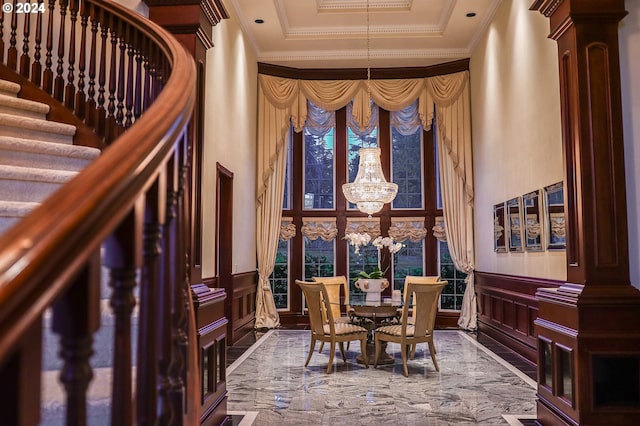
(315, 293)
(425, 305)
(433, 279)
(333, 286)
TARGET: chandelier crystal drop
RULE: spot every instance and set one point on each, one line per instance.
(370, 190)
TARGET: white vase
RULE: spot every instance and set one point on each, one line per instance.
(373, 287)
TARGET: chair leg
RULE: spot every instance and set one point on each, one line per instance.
(312, 346)
(413, 351)
(321, 346)
(363, 350)
(341, 345)
(333, 351)
(404, 351)
(432, 351)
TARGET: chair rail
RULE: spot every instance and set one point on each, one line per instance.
(128, 211)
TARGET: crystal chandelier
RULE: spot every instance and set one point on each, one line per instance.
(370, 190)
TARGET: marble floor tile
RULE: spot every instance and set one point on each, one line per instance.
(473, 387)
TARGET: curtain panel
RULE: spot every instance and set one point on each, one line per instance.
(282, 102)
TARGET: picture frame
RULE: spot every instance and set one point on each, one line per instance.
(532, 214)
(554, 202)
(499, 229)
(514, 224)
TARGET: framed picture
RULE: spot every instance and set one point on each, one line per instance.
(499, 230)
(531, 205)
(554, 200)
(514, 222)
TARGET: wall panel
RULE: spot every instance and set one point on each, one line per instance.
(507, 307)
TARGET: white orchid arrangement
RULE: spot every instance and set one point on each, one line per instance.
(358, 239)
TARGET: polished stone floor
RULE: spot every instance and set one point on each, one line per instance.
(269, 385)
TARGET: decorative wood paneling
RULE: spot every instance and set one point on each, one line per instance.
(240, 308)
(211, 327)
(507, 308)
(243, 304)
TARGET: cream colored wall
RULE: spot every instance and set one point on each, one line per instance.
(516, 130)
(629, 72)
(230, 139)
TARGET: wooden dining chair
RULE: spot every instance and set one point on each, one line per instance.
(324, 328)
(425, 300)
(431, 279)
(334, 286)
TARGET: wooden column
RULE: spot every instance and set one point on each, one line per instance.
(191, 22)
(588, 338)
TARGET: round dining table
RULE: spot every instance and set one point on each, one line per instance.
(371, 314)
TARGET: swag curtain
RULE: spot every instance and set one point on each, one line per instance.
(283, 102)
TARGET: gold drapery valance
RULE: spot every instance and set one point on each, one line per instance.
(287, 229)
(319, 227)
(369, 226)
(439, 229)
(283, 101)
(407, 228)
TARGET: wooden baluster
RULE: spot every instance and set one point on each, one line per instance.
(102, 78)
(80, 95)
(149, 77)
(130, 78)
(91, 90)
(137, 102)
(183, 289)
(121, 252)
(12, 54)
(47, 76)
(121, 79)
(70, 89)
(166, 416)
(2, 37)
(36, 66)
(76, 316)
(146, 377)
(25, 59)
(20, 378)
(58, 84)
(113, 73)
(173, 271)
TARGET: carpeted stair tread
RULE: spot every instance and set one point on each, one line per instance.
(31, 153)
(11, 212)
(16, 208)
(35, 175)
(33, 128)
(23, 107)
(9, 88)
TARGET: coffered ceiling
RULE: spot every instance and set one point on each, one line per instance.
(333, 33)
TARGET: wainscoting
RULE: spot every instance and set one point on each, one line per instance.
(240, 306)
(507, 308)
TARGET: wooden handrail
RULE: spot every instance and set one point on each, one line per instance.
(131, 204)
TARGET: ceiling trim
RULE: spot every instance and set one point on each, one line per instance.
(362, 54)
(342, 5)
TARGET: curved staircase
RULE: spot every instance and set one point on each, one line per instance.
(36, 156)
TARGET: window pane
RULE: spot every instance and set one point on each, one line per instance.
(406, 157)
(318, 258)
(366, 260)
(452, 293)
(286, 200)
(408, 261)
(280, 276)
(437, 167)
(318, 170)
(354, 143)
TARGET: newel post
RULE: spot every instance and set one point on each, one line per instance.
(588, 340)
